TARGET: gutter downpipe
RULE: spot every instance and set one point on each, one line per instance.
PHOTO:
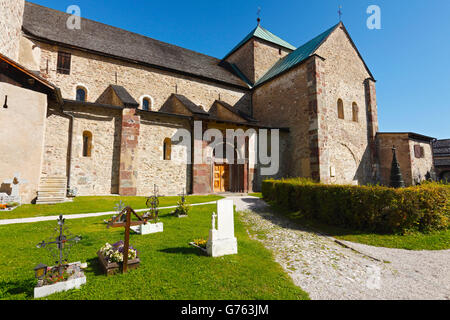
(69, 140)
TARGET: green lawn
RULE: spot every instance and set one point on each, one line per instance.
(439, 240)
(257, 194)
(170, 268)
(94, 204)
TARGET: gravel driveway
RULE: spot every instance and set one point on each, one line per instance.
(328, 270)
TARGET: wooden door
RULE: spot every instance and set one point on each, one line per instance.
(221, 177)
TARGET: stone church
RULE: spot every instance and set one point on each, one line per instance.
(96, 109)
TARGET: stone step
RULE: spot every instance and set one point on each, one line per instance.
(52, 190)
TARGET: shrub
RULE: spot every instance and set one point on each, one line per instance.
(369, 208)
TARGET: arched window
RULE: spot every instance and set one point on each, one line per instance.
(167, 149)
(340, 109)
(146, 104)
(87, 143)
(81, 94)
(355, 111)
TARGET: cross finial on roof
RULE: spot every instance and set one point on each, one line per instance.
(340, 13)
(259, 18)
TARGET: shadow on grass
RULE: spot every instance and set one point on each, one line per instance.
(25, 287)
(94, 267)
(183, 250)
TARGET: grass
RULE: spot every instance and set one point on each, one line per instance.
(93, 205)
(170, 268)
(257, 194)
(439, 240)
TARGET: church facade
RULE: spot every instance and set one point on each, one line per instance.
(99, 109)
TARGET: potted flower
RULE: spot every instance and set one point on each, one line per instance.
(200, 243)
(111, 257)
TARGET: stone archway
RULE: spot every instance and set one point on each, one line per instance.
(343, 165)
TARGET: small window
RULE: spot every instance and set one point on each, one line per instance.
(167, 149)
(340, 109)
(64, 61)
(355, 112)
(81, 94)
(146, 104)
(87, 143)
(419, 151)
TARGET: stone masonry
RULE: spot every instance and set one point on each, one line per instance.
(11, 17)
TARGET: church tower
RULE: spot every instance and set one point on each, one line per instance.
(257, 53)
(11, 19)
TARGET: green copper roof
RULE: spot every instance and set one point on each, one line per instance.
(296, 57)
(261, 33)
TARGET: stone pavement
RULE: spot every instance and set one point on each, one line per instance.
(328, 270)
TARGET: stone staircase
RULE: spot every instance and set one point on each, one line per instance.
(52, 190)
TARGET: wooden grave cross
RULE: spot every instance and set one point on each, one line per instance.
(115, 223)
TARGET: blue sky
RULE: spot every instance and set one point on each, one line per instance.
(409, 56)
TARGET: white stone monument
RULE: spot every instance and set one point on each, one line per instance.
(222, 241)
(148, 228)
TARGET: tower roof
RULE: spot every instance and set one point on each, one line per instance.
(297, 56)
(261, 33)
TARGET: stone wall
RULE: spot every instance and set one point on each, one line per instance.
(243, 58)
(385, 142)
(421, 168)
(172, 175)
(21, 138)
(345, 157)
(56, 143)
(11, 18)
(414, 170)
(96, 73)
(256, 57)
(284, 102)
(266, 54)
(96, 174)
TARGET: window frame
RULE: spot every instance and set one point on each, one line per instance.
(64, 62)
(340, 109)
(167, 149)
(86, 151)
(85, 93)
(355, 112)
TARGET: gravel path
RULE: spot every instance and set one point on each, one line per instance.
(327, 270)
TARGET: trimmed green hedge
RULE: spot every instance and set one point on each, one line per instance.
(365, 208)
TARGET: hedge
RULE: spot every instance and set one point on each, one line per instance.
(366, 208)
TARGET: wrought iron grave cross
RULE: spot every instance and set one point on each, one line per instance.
(64, 240)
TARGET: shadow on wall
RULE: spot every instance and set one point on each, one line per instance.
(115, 166)
(5, 188)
